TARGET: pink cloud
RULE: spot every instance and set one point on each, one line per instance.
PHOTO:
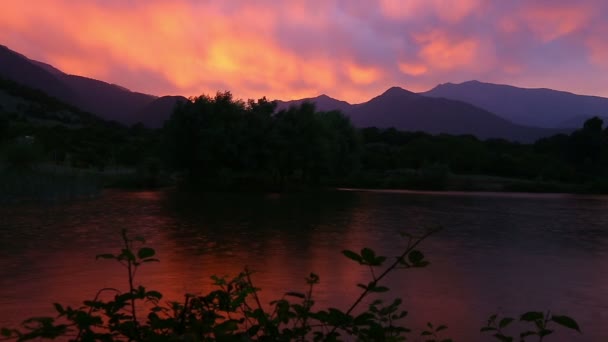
(448, 10)
(552, 22)
(350, 50)
(413, 69)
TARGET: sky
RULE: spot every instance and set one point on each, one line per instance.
(347, 49)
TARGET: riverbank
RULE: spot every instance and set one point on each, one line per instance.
(441, 180)
(26, 185)
(51, 183)
(56, 183)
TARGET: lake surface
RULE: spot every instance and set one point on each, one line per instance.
(497, 253)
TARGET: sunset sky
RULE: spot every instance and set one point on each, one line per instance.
(352, 50)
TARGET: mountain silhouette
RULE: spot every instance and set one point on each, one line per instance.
(108, 101)
(533, 107)
(16, 67)
(155, 113)
(409, 111)
(322, 103)
(482, 109)
(22, 102)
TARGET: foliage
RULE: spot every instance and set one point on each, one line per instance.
(578, 158)
(216, 140)
(234, 312)
(223, 143)
(540, 325)
(21, 154)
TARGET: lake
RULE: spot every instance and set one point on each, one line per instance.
(498, 252)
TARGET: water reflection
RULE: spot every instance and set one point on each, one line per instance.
(497, 251)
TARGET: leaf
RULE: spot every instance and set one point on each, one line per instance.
(484, 329)
(150, 260)
(59, 308)
(531, 316)
(415, 256)
(253, 330)
(295, 294)
(505, 321)
(566, 321)
(105, 256)
(441, 327)
(145, 252)
(126, 255)
(5, 332)
(378, 261)
(426, 333)
(154, 294)
(312, 279)
(378, 288)
(352, 255)
(368, 255)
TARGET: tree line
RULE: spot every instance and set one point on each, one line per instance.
(226, 143)
(221, 139)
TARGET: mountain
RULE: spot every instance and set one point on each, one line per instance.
(16, 67)
(409, 111)
(533, 107)
(21, 103)
(322, 102)
(108, 101)
(435, 112)
(155, 113)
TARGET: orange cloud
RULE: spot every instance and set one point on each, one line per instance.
(290, 49)
(187, 45)
(442, 52)
(413, 69)
(363, 75)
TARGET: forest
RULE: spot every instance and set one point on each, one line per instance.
(221, 143)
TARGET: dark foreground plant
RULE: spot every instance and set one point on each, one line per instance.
(234, 312)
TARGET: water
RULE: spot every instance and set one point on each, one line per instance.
(498, 253)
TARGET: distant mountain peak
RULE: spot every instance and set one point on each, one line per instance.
(397, 91)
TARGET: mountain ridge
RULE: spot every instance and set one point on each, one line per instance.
(542, 107)
(396, 107)
(106, 100)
